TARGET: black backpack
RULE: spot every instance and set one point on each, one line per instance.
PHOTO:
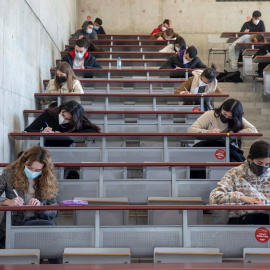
(229, 76)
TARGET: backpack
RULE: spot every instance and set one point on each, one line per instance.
(229, 76)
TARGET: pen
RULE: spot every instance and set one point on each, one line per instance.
(267, 51)
(211, 124)
(46, 124)
(15, 192)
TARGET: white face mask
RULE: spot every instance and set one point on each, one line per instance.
(163, 28)
(185, 61)
(177, 49)
(62, 120)
(256, 22)
(201, 83)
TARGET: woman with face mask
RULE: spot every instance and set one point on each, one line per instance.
(65, 81)
(202, 81)
(248, 183)
(178, 45)
(30, 180)
(69, 117)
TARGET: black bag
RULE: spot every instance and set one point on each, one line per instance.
(229, 76)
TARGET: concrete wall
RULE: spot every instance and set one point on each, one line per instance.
(195, 20)
(32, 34)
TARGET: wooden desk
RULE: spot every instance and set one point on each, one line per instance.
(100, 42)
(239, 34)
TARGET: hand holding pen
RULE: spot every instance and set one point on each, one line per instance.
(17, 201)
(47, 129)
(267, 53)
(214, 130)
(186, 91)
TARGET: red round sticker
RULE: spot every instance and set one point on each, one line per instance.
(220, 154)
(88, 18)
(262, 235)
(196, 109)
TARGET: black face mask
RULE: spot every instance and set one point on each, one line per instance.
(223, 119)
(60, 79)
(257, 169)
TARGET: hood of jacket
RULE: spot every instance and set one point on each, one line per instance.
(85, 24)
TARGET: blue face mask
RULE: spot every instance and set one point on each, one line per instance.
(96, 27)
(89, 31)
(79, 55)
(31, 175)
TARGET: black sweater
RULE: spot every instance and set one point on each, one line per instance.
(39, 124)
(174, 62)
(262, 51)
(253, 27)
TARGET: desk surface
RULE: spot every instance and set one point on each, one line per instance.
(239, 34)
(140, 266)
(248, 52)
(243, 45)
(261, 59)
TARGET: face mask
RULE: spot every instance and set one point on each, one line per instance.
(256, 22)
(31, 175)
(163, 28)
(257, 169)
(223, 119)
(89, 31)
(177, 49)
(79, 55)
(60, 79)
(62, 120)
(96, 27)
(185, 61)
(201, 83)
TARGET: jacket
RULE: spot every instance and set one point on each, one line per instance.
(156, 36)
(89, 60)
(83, 32)
(77, 88)
(262, 51)
(192, 85)
(39, 124)
(157, 30)
(177, 61)
(100, 31)
(241, 181)
(202, 124)
(253, 27)
(18, 217)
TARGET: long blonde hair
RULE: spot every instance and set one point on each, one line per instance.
(45, 186)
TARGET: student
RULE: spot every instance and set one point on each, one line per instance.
(162, 27)
(97, 26)
(79, 58)
(202, 81)
(32, 177)
(227, 118)
(184, 59)
(255, 24)
(86, 31)
(248, 183)
(178, 45)
(69, 117)
(265, 51)
(235, 51)
(166, 35)
(65, 81)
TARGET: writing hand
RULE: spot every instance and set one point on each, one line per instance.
(17, 201)
(214, 130)
(47, 130)
(251, 200)
(246, 30)
(159, 38)
(34, 202)
(186, 93)
(268, 54)
(82, 66)
(81, 36)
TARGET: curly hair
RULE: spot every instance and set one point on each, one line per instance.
(45, 186)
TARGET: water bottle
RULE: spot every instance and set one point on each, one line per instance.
(119, 64)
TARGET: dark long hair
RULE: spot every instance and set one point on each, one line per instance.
(78, 120)
(210, 73)
(181, 42)
(260, 149)
(235, 107)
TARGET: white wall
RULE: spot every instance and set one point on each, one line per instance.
(193, 19)
(32, 34)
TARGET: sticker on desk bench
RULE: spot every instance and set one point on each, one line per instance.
(220, 154)
(196, 109)
(262, 235)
